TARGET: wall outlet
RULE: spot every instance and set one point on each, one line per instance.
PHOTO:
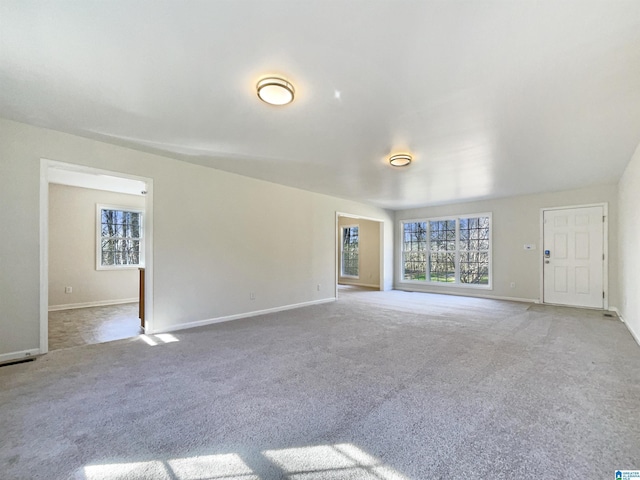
(513, 285)
(68, 290)
(252, 295)
(318, 287)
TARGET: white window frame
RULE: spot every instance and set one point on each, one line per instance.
(342, 229)
(99, 208)
(456, 283)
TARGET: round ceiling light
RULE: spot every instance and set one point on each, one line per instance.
(275, 91)
(400, 160)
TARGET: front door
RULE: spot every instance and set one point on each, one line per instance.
(573, 256)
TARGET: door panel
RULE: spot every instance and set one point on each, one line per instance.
(560, 245)
(582, 280)
(573, 270)
(560, 279)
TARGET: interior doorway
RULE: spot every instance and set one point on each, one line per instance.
(80, 312)
(359, 251)
(574, 255)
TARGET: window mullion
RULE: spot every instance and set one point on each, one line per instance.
(457, 255)
(427, 257)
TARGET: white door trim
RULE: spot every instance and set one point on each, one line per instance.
(45, 165)
(605, 247)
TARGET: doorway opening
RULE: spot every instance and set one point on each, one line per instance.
(96, 237)
(359, 252)
(575, 256)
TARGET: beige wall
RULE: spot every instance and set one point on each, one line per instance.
(368, 252)
(217, 236)
(516, 222)
(629, 241)
(72, 249)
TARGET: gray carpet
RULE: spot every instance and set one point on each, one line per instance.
(389, 385)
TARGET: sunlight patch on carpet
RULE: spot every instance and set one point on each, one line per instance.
(166, 337)
(331, 461)
(304, 463)
(152, 340)
(225, 466)
(112, 471)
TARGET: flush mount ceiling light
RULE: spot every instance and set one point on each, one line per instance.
(400, 160)
(275, 91)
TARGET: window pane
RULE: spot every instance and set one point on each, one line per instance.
(464, 234)
(415, 266)
(443, 230)
(135, 228)
(442, 267)
(474, 268)
(350, 264)
(442, 239)
(478, 228)
(350, 247)
(107, 258)
(415, 236)
(120, 231)
(107, 244)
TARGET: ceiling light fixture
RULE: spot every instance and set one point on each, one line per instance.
(400, 160)
(275, 91)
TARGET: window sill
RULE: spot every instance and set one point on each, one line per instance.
(120, 267)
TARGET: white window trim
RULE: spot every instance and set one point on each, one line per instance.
(99, 208)
(457, 283)
(342, 229)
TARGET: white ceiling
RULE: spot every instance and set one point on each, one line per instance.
(493, 98)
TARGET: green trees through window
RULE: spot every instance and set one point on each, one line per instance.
(453, 250)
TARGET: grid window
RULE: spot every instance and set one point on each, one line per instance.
(350, 248)
(451, 250)
(474, 250)
(120, 237)
(442, 246)
(415, 251)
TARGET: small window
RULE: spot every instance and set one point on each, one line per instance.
(455, 251)
(350, 249)
(120, 237)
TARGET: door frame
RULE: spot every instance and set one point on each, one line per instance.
(605, 249)
(338, 245)
(45, 165)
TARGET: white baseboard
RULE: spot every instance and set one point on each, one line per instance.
(228, 318)
(471, 294)
(102, 303)
(367, 285)
(635, 336)
(23, 355)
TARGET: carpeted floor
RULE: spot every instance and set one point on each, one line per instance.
(379, 385)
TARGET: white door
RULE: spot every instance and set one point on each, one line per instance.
(573, 256)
